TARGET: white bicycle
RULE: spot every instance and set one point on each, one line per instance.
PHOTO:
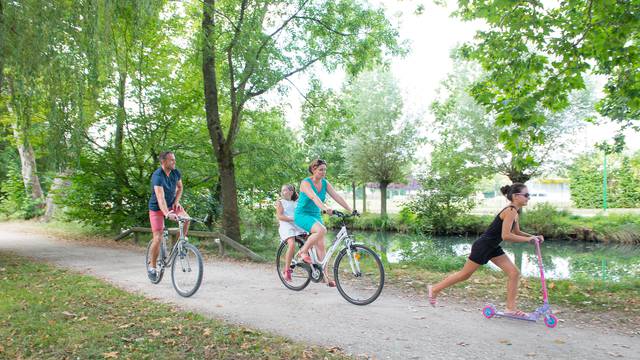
(357, 270)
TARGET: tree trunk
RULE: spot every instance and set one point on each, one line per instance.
(230, 213)
(383, 199)
(28, 165)
(27, 156)
(518, 176)
(364, 198)
(58, 184)
(221, 147)
(119, 164)
(353, 191)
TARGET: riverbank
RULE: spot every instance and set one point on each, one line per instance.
(543, 219)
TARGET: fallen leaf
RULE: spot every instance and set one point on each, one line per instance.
(82, 318)
(334, 349)
(111, 355)
(1, 348)
(126, 326)
(154, 333)
(558, 341)
(218, 305)
(462, 343)
(206, 332)
(531, 354)
(69, 314)
(505, 341)
(615, 354)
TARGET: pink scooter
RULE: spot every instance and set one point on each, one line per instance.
(550, 320)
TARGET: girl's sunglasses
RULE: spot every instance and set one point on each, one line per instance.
(527, 195)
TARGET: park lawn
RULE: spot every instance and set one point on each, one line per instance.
(49, 313)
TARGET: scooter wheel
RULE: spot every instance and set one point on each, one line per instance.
(488, 311)
(550, 320)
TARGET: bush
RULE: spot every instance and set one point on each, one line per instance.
(545, 219)
(623, 181)
(470, 225)
(17, 202)
(554, 224)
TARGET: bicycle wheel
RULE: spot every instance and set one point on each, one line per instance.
(301, 274)
(159, 267)
(186, 270)
(359, 277)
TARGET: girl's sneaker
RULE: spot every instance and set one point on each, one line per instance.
(287, 275)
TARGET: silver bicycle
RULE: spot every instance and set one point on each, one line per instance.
(184, 260)
(357, 270)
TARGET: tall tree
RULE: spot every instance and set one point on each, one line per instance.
(130, 24)
(382, 148)
(25, 48)
(249, 47)
(327, 124)
(536, 54)
(480, 133)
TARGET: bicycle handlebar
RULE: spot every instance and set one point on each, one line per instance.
(342, 215)
(187, 218)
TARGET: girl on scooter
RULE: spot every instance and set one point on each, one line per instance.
(505, 226)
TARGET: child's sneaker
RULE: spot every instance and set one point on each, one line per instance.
(287, 275)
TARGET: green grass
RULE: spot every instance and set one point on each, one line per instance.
(48, 313)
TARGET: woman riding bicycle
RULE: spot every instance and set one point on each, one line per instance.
(313, 192)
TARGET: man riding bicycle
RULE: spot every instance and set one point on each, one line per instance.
(166, 191)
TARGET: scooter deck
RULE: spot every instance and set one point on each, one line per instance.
(529, 317)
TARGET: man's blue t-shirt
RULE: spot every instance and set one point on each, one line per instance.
(168, 183)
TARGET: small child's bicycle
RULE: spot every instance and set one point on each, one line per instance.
(544, 311)
(184, 260)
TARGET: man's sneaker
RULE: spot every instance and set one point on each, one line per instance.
(152, 273)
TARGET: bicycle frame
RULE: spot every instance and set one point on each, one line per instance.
(177, 246)
(343, 235)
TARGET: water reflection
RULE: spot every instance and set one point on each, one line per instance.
(561, 259)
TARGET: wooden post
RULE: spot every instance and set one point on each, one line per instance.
(220, 246)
